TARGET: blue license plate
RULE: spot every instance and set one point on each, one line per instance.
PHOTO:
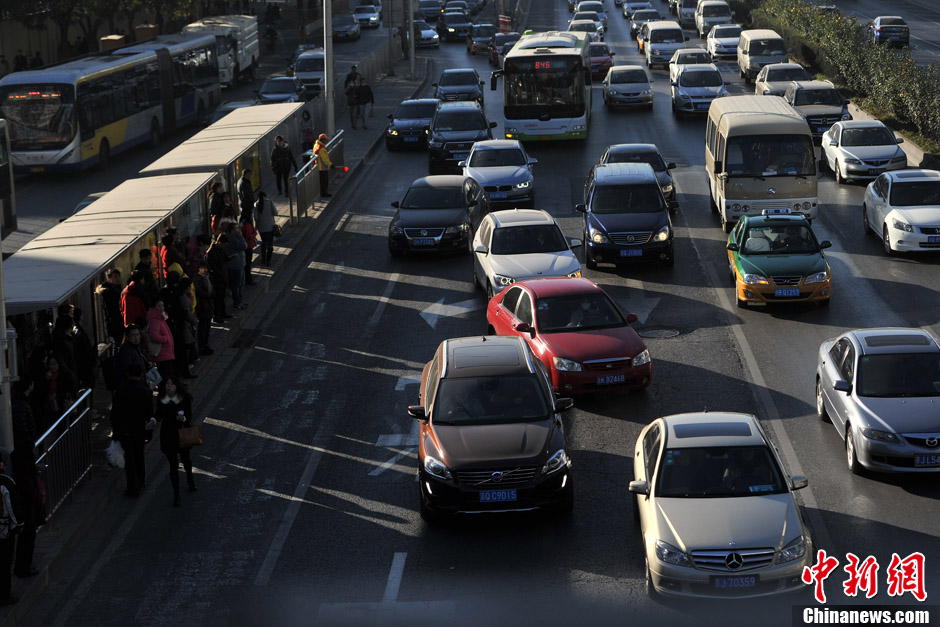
(611, 379)
(787, 292)
(498, 195)
(702, 105)
(734, 583)
(875, 171)
(497, 496)
(460, 155)
(631, 252)
(774, 212)
(932, 459)
(411, 139)
(822, 129)
(933, 239)
(424, 241)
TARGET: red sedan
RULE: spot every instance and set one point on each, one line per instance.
(578, 332)
(602, 59)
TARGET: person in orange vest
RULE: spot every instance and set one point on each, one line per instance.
(324, 164)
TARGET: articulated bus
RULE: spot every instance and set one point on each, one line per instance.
(80, 113)
(547, 87)
(7, 195)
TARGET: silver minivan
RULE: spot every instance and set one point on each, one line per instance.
(757, 48)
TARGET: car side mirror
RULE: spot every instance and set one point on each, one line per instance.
(727, 82)
(473, 203)
(842, 386)
(673, 83)
(798, 482)
(492, 124)
(719, 167)
(391, 116)
(533, 160)
(461, 164)
(631, 318)
(257, 94)
(825, 244)
(493, 78)
(767, 92)
(433, 84)
(733, 246)
(686, 38)
(482, 83)
(564, 403)
(524, 327)
(639, 487)
(574, 242)
(395, 204)
(612, 53)
(417, 412)
(833, 142)
(580, 208)
(670, 166)
(900, 140)
(479, 248)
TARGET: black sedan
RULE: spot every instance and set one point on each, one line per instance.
(280, 89)
(407, 127)
(459, 84)
(346, 27)
(437, 214)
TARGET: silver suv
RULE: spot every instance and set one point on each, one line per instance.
(819, 102)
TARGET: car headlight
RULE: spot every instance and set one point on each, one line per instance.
(683, 97)
(450, 30)
(393, 132)
(435, 143)
(435, 37)
(455, 229)
(597, 236)
(756, 279)
(523, 185)
(646, 92)
(574, 275)
(853, 161)
(556, 462)
(394, 229)
(579, 127)
(662, 234)
(793, 551)
(436, 468)
(642, 359)
(566, 365)
(667, 188)
(511, 129)
(807, 206)
(881, 436)
(819, 277)
(899, 159)
(503, 281)
(671, 555)
(902, 226)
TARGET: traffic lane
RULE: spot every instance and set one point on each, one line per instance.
(922, 18)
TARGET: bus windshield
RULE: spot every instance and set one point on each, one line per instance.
(770, 155)
(544, 86)
(41, 117)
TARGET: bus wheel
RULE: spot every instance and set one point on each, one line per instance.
(236, 76)
(201, 114)
(104, 154)
(251, 71)
(154, 133)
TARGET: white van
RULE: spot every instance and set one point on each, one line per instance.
(661, 39)
(710, 13)
(757, 48)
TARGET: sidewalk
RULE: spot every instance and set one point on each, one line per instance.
(104, 484)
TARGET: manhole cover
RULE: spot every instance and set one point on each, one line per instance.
(658, 333)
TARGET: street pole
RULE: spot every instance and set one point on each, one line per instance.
(388, 24)
(329, 80)
(411, 41)
(6, 419)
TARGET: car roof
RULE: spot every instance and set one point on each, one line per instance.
(281, 79)
(580, 22)
(914, 174)
(663, 24)
(491, 144)
(813, 84)
(783, 66)
(623, 173)
(691, 50)
(618, 68)
(433, 101)
(697, 67)
(862, 124)
(307, 54)
(895, 339)
(560, 286)
(486, 355)
(706, 429)
(776, 220)
(521, 217)
(889, 17)
(632, 148)
(459, 70)
(459, 105)
(439, 181)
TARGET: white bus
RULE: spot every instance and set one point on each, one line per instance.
(239, 49)
(80, 113)
(547, 87)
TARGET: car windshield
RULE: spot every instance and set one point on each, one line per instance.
(583, 27)
(597, 7)
(666, 36)
(278, 87)
(646, 198)
(496, 157)
(788, 74)
(454, 18)
(523, 240)
(767, 48)
(770, 155)
(433, 198)
(915, 193)
(449, 79)
(422, 26)
(484, 32)
(646, 15)
(790, 239)
(726, 32)
(716, 10)
(718, 471)
(344, 20)
(459, 121)
(502, 39)
(879, 136)
(415, 111)
(652, 158)
(689, 4)
(563, 314)
(311, 64)
(688, 58)
(364, 8)
(898, 375)
(599, 50)
(625, 77)
(825, 97)
(703, 78)
(489, 400)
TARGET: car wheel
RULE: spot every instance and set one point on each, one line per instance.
(732, 277)
(489, 291)
(609, 106)
(670, 260)
(490, 330)
(823, 163)
(850, 457)
(726, 225)
(650, 588)
(154, 133)
(394, 252)
(747, 78)
(388, 146)
(825, 303)
(678, 113)
(711, 203)
(838, 172)
(886, 241)
(648, 64)
(865, 223)
(821, 412)
(104, 154)
(636, 508)
(589, 261)
(742, 304)
(567, 503)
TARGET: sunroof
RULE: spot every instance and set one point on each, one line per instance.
(897, 340)
(711, 429)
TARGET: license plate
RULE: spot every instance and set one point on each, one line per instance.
(874, 171)
(611, 379)
(734, 583)
(37, 168)
(411, 139)
(822, 129)
(787, 291)
(497, 496)
(702, 105)
(933, 239)
(424, 241)
(631, 252)
(777, 211)
(498, 195)
(460, 155)
(544, 137)
(927, 460)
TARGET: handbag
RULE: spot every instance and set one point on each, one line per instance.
(154, 348)
(115, 454)
(189, 436)
(277, 230)
(153, 377)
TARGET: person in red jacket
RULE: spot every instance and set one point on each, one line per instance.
(170, 252)
(133, 299)
(251, 239)
(160, 334)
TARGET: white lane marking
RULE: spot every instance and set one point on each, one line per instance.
(392, 440)
(394, 578)
(403, 381)
(383, 301)
(438, 310)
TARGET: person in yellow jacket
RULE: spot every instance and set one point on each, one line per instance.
(324, 163)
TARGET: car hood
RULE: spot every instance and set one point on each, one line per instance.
(482, 40)
(776, 265)
(501, 175)
(777, 88)
(597, 344)
(534, 265)
(461, 136)
(418, 218)
(409, 123)
(277, 97)
(617, 222)
(701, 92)
(692, 524)
(920, 216)
(345, 28)
(727, 41)
(428, 32)
(364, 14)
(468, 445)
(827, 110)
(873, 152)
(445, 90)
(902, 415)
(628, 88)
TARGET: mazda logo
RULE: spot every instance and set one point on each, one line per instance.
(734, 561)
(424, 232)
(771, 190)
(496, 477)
(630, 238)
(932, 442)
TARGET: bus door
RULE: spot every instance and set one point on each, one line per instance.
(167, 96)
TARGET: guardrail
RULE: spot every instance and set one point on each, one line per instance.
(305, 185)
(65, 456)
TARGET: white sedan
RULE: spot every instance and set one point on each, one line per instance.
(861, 149)
(722, 41)
(519, 244)
(903, 208)
(686, 56)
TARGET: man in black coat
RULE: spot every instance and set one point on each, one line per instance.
(217, 260)
(282, 160)
(246, 194)
(131, 410)
(110, 293)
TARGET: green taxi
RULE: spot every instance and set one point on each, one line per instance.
(776, 258)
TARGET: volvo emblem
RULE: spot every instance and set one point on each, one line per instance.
(771, 190)
(609, 366)
(734, 561)
(932, 442)
(630, 238)
(424, 232)
(496, 477)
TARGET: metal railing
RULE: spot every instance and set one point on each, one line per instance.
(305, 185)
(65, 452)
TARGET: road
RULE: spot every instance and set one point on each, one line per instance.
(307, 508)
(922, 16)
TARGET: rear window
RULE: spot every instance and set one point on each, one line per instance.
(893, 21)
(666, 36)
(313, 64)
(767, 47)
(646, 198)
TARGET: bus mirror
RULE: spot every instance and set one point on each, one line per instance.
(825, 244)
(492, 124)
(580, 208)
(670, 166)
(493, 77)
(718, 167)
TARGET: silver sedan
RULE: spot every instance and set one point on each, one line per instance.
(880, 388)
(504, 170)
(861, 149)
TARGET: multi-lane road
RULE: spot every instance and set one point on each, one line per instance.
(307, 508)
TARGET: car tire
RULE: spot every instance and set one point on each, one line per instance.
(636, 508)
(670, 260)
(154, 133)
(823, 162)
(104, 154)
(711, 203)
(726, 225)
(821, 412)
(489, 291)
(394, 252)
(747, 78)
(865, 223)
(427, 514)
(589, 261)
(838, 172)
(566, 508)
(851, 458)
(824, 303)
(886, 241)
(651, 591)
(742, 304)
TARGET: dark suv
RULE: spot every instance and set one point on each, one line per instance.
(459, 84)
(453, 26)
(454, 128)
(437, 214)
(491, 436)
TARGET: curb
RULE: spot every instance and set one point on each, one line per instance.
(915, 154)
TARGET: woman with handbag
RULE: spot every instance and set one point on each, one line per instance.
(175, 411)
